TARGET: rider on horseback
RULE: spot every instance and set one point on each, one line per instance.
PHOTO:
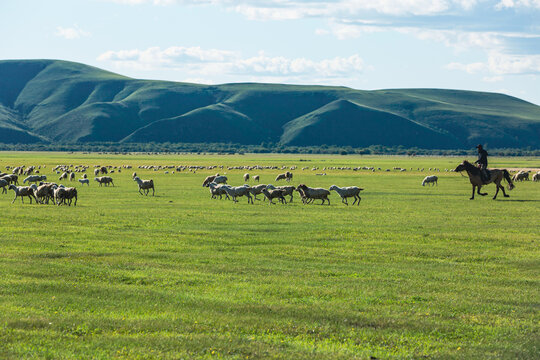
(483, 163)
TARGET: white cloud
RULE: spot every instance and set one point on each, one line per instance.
(200, 63)
(505, 4)
(501, 64)
(71, 33)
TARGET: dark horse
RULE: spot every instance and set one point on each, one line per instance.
(496, 176)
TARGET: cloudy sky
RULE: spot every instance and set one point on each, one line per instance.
(481, 45)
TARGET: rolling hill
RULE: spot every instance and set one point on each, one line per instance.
(60, 101)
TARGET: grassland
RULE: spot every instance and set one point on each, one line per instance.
(413, 272)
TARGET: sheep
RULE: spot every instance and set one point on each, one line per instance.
(536, 177)
(238, 191)
(256, 178)
(84, 176)
(246, 177)
(134, 175)
(22, 191)
(84, 181)
(104, 180)
(274, 193)
(44, 192)
(103, 170)
(11, 179)
(288, 190)
(145, 185)
(256, 190)
(34, 178)
(303, 196)
(218, 189)
(220, 179)
(430, 180)
(71, 176)
(281, 177)
(346, 192)
(63, 176)
(3, 184)
(521, 176)
(96, 172)
(208, 180)
(315, 193)
(64, 194)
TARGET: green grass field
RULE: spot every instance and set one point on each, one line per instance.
(413, 272)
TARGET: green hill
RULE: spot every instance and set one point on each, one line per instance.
(52, 100)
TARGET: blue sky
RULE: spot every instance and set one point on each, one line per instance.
(477, 45)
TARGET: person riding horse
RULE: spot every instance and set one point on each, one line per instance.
(483, 163)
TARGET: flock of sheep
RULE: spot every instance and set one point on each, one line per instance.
(48, 192)
(44, 192)
(218, 187)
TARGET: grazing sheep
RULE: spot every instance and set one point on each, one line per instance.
(281, 177)
(238, 191)
(103, 170)
(346, 192)
(96, 172)
(84, 176)
(144, 185)
(67, 194)
(104, 180)
(246, 177)
(256, 178)
(208, 180)
(430, 180)
(521, 176)
(288, 190)
(536, 177)
(11, 178)
(63, 176)
(84, 181)
(315, 193)
(273, 194)
(218, 189)
(22, 191)
(220, 179)
(71, 176)
(3, 184)
(256, 190)
(34, 178)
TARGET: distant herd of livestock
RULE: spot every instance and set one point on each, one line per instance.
(44, 192)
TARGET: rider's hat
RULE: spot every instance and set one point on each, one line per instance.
(479, 146)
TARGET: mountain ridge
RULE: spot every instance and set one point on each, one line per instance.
(61, 101)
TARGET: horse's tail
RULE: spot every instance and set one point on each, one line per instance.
(508, 179)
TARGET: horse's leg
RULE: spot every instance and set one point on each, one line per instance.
(478, 191)
(496, 192)
(504, 192)
(473, 188)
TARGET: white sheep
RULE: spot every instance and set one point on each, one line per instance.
(145, 185)
(273, 194)
(238, 191)
(22, 191)
(221, 179)
(256, 178)
(430, 180)
(347, 192)
(246, 177)
(3, 184)
(256, 190)
(34, 178)
(287, 190)
(218, 189)
(315, 193)
(104, 180)
(84, 181)
(536, 177)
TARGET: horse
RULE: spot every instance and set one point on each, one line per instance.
(496, 176)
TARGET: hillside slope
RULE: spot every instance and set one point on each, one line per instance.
(52, 100)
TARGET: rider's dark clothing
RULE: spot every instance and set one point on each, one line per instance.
(482, 158)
